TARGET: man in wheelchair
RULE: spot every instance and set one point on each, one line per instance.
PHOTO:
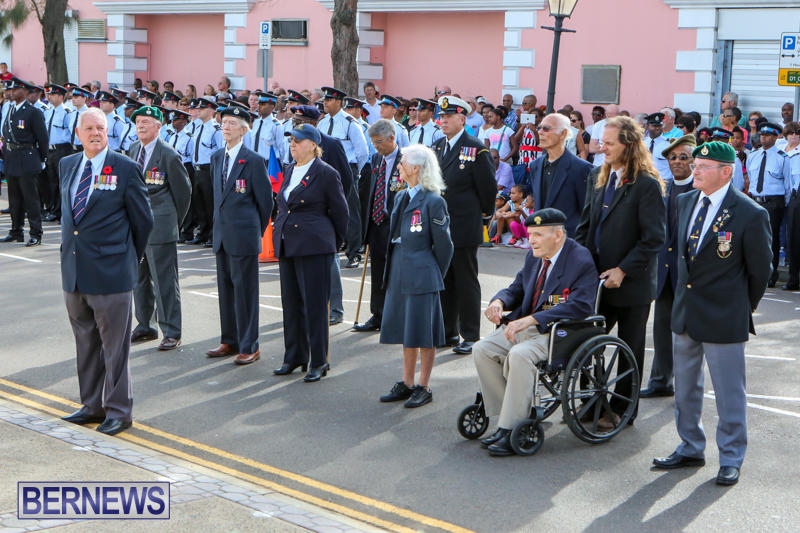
(557, 282)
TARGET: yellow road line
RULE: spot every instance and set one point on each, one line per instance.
(325, 487)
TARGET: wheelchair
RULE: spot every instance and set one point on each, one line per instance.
(579, 376)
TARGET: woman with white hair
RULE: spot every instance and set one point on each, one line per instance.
(420, 250)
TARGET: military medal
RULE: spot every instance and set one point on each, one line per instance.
(241, 186)
(416, 221)
(724, 244)
(463, 156)
(396, 183)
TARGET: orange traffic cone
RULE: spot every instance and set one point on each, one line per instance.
(267, 251)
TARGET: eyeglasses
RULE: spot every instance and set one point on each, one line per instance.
(728, 116)
(682, 157)
(574, 120)
(545, 128)
(703, 168)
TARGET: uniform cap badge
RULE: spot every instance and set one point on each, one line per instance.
(537, 220)
(704, 151)
(445, 103)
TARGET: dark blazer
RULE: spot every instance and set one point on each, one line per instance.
(668, 256)
(314, 219)
(716, 296)
(170, 201)
(366, 189)
(568, 192)
(425, 254)
(470, 190)
(631, 235)
(574, 274)
(240, 218)
(101, 254)
(26, 127)
(333, 154)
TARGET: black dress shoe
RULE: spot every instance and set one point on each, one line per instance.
(196, 240)
(653, 392)
(142, 335)
(208, 244)
(112, 426)
(791, 287)
(400, 391)
(452, 341)
(335, 320)
(502, 446)
(370, 325)
(287, 369)
(10, 238)
(33, 241)
(419, 397)
(491, 439)
(352, 262)
(677, 460)
(316, 374)
(464, 348)
(5, 211)
(728, 475)
(83, 416)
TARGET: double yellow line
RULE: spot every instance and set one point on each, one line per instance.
(263, 467)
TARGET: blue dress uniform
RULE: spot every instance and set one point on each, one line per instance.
(183, 143)
(657, 145)
(770, 175)
(207, 140)
(427, 133)
(268, 130)
(355, 103)
(116, 126)
(121, 97)
(58, 121)
(401, 135)
(793, 221)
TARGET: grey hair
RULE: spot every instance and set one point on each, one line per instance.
(92, 111)
(562, 123)
(734, 97)
(383, 129)
(668, 111)
(96, 83)
(430, 175)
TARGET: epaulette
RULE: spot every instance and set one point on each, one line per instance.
(217, 127)
(781, 152)
(349, 118)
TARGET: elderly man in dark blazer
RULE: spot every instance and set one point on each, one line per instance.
(170, 192)
(104, 229)
(723, 270)
(558, 180)
(242, 207)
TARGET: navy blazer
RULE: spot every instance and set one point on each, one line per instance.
(240, 217)
(668, 256)
(573, 275)
(366, 189)
(424, 255)
(568, 191)
(101, 254)
(314, 219)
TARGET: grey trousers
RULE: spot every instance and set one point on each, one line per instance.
(157, 291)
(101, 324)
(727, 368)
(337, 307)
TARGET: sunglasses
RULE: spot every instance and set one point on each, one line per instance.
(574, 120)
(682, 157)
(544, 128)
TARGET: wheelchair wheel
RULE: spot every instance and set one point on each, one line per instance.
(589, 387)
(527, 437)
(549, 394)
(473, 422)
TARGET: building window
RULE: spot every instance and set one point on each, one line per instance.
(92, 30)
(290, 32)
(600, 84)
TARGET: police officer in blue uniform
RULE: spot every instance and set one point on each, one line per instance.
(183, 143)
(426, 131)
(771, 186)
(129, 133)
(58, 121)
(355, 108)
(389, 106)
(207, 140)
(116, 126)
(79, 97)
(656, 143)
(267, 130)
(120, 95)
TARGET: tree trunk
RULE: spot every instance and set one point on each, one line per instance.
(345, 46)
(55, 58)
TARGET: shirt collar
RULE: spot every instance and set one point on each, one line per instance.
(717, 196)
(96, 161)
(391, 157)
(452, 142)
(685, 181)
(148, 148)
(555, 257)
(233, 152)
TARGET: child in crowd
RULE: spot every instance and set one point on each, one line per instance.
(500, 202)
(511, 212)
(517, 225)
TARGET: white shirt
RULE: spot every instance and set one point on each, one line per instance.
(597, 134)
(552, 264)
(452, 142)
(97, 166)
(619, 170)
(298, 173)
(148, 151)
(232, 153)
(373, 112)
(499, 139)
(716, 198)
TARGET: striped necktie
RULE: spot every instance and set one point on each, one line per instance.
(380, 194)
(82, 196)
(537, 291)
(697, 228)
(140, 159)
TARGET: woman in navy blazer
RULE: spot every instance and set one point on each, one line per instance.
(310, 227)
(419, 254)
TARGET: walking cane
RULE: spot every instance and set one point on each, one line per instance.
(363, 277)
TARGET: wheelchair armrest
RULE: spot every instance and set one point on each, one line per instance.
(577, 321)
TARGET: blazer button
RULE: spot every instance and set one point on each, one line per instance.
(688, 285)
(295, 225)
(666, 266)
(75, 232)
(289, 211)
(669, 249)
(302, 201)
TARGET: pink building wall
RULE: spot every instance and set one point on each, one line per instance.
(27, 51)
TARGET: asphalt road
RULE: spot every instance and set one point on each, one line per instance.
(338, 433)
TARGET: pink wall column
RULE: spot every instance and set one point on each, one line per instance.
(27, 52)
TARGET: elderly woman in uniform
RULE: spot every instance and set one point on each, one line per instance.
(419, 254)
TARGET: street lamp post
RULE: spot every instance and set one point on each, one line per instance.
(560, 9)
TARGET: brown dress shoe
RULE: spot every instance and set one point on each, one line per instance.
(169, 343)
(247, 358)
(221, 351)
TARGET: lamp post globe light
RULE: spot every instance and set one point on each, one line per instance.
(560, 9)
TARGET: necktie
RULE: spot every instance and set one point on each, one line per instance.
(446, 149)
(537, 291)
(611, 188)
(197, 144)
(330, 126)
(74, 126)
(760, 184)
(82, 196)
(421, 139)
(175, 141)
(258, 135)
(50, 125)
(140, 159)
(225, 165)
(694, 237)
(652, 145)
(380, 194)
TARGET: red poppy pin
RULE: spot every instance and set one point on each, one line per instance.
(107, 170)
(304, 183)
(241, 161)
(153, 169)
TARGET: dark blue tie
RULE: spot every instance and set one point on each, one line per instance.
(225, 165)
(694, 237)
(608, 195)
(82, 196)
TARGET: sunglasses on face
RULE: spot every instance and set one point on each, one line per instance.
(573, 120)
(544, 128)
(682, 157)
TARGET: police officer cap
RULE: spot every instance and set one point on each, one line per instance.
(193, 103)
(354, 103)
(131, 103)
(52, 88)
(720, 133)
(716, 151)
(80, 91)
(147, 111)
(686, 140)
(119, 93)
(267, 98)
(336, 94)
(170, 96)
(390, 100)
(770, 128)
(176, 114)
(305, 131)
(546, 217)
(298, 97)
(144, 93)
(450, 105)
(105, 96)
(423, 104)
(655, 119)
(205, 102)
(307, 111)
(320, 105)
(16, 83)
(235, 111)
(69, 85)
(236, 103)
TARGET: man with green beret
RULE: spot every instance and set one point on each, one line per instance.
(167, 181)
(723, 269)
(679, 156)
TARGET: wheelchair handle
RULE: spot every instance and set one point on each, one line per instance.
(597, 299)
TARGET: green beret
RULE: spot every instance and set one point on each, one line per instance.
(147, 111)
(546, 217)
(688, 140)
(716, 151)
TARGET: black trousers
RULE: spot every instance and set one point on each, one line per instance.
(43, 187)
(461, 299)
(237, 283)
(775, 206)
(793, 238)
(53, 159)
(354, 223)
(23, 197)
(203, 201)
(632, 328)
(378, 240)
(190, 221)
(661, 371)
(305, 293)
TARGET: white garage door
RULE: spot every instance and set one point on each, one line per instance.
(754, 77)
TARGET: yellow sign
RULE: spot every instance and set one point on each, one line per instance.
(788, 76)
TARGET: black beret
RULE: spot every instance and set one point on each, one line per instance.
(235, 111)
(546, 217)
